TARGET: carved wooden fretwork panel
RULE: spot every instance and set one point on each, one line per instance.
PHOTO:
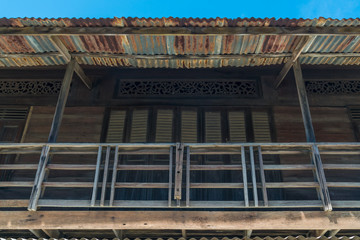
(333, 87)
(185, 88)
(29, 87)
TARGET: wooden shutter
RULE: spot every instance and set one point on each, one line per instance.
(189, 129)
(115, 132)
(139, 125)
(164, 125)
(13, 113)
(237, 129)
(355, 118)
(261, 126)
(213, 126)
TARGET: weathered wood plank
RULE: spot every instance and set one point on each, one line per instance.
(194, 220)
(310, 136)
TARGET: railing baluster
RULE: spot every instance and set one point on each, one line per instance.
(39, 177)
(178, 172)
(320, 174)
(253, 176)
(96, 177)
(105, 175)
(262, 176)
(170, 174)
(114, 174)
(244, 170)
(188, 176)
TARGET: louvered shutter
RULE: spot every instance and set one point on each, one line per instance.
(261, 126)
(237, 129)
(213, 126)
(164, 126)
(139, 125)
(355, 114)
(13, 113)
(115, 132)
(355, 117)
(189, 129)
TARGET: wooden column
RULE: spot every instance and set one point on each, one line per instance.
(310, 136)
(54, 132)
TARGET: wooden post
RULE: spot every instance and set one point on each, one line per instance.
(310, 136)
(170, 174)
(244, 173)
(44, 158)
(178, 172)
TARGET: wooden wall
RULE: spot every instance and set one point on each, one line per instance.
(80, 124)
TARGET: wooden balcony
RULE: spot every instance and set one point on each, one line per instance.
(178, 168)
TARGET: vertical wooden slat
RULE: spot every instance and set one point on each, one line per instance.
(253, 176)
(114, 174)
(243, 163)
(170, 174)
(39, 177)
(178, 171)
(105, 175)
(187, 176)
(262, 176)
(96, 178)
(310, 136)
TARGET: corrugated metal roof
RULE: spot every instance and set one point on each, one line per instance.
(241, 46)
(207, 238)
(177, 22)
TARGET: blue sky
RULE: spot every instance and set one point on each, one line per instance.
(183, 8)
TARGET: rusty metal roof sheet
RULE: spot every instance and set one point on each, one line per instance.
(176, 22)
(102, 50)
(213, 238)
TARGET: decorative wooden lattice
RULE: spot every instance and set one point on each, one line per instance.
(333, 87)
(29, 87)
(183, 88)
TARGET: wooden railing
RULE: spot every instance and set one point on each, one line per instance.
(179, 163)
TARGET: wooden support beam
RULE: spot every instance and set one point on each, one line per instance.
(332, 233)
(178, 220)
(112, 31)
(247, 233)
(183, 233)
(118, 233)
(295, 55)
(55, 126)
(38, 233)
(316, 233)
(310, 136)
(62, 99)
(61, 48)
(53, 233)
